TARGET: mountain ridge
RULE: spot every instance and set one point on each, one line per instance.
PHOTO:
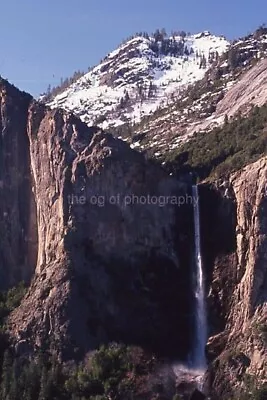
(138, 76)
(141, 100)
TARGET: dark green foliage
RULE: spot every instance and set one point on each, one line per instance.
(203, 62)
(261, 393)
(38, 379)
(112, 372)
(105, 373)
(262, 30)
(168, 46)
(10, 300)
(260, 329)
(253, 390)
(233, 58)
(225, 149)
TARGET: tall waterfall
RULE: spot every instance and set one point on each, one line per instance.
(200, 316)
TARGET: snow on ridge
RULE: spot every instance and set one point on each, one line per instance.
(134, 81)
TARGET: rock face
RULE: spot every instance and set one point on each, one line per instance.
(250, 90)
(111, 264)
(17, 210)
(105, 237)
(238, 289)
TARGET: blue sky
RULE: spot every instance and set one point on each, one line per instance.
(42, 41)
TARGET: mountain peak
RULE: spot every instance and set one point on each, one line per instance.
(140, 76)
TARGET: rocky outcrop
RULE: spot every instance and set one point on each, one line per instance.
(111, 264)
(249, 91)
(17, 209)
(238, 290)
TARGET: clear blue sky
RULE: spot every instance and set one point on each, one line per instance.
(44, 40)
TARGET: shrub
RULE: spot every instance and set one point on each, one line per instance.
(10, 300)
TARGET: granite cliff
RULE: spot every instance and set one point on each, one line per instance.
(237, 279)
(108, 267)
(101, 236)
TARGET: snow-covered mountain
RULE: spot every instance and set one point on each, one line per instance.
(156, 94)
(236, 82)
(142, 75)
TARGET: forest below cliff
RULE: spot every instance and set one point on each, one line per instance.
(115, 371)
(217, 153)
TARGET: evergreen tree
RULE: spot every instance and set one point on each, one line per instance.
(14, 389)
(159, 35)
(163, 33)
(45, 386)
(49, 89)
(6, 377)
(150, 90)
(141, 92)
(186, 51)
(127, 97)
(203, 62)
(233, 58)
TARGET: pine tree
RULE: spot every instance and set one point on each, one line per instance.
(127, 97)
(203, 62)
(140, 90)
(186, 51)
(32, 377)
(45, 388)
(163, 33)
(233, 58)
(150, 90)
(226, 119)
(6, 378)
(49, 89)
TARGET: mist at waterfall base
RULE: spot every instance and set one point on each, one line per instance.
(197, 364)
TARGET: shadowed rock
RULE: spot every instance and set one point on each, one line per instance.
(111, 264)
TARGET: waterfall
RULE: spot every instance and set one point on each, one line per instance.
(200, 316)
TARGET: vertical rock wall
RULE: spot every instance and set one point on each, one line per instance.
(18, 237)
(106, 270)
(238, 281)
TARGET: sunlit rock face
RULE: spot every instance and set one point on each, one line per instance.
(237, 227)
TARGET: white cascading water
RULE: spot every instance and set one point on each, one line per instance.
(200, 318)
